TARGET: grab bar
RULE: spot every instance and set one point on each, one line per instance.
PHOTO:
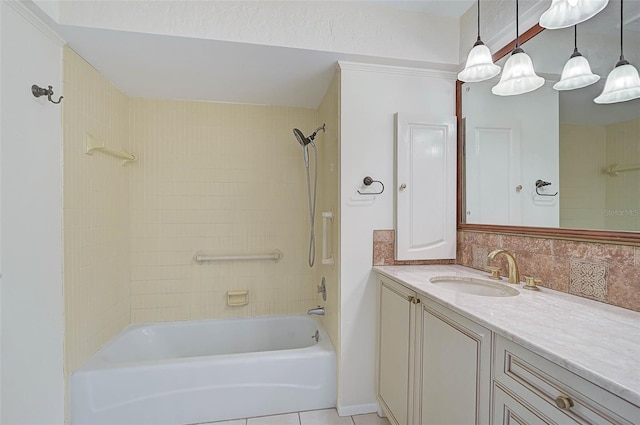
(201, 257)
(614, 170)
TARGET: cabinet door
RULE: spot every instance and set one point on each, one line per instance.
(425, 187)
(395, 328)
(454, 368)
(509, 411)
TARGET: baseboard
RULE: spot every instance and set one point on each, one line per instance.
(357, 409)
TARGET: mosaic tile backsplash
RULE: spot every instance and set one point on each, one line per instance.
(602, 272)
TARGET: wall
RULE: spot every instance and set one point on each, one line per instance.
(32, 379)
(329, 200)
(623, 191)
(225, 179)
(96, 212)
(582, 182)
(606, 273)
(369, 98)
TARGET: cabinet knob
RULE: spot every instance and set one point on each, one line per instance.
(564, 402)
(403, 186)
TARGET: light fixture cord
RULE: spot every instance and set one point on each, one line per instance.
(621, 30)
(478, 20)
(517, 28)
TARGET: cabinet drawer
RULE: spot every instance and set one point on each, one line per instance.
(534, 378)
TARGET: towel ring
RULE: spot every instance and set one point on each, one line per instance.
(368, 181)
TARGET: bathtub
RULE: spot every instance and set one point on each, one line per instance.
(206, 370)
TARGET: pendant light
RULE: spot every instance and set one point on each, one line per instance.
(623, 82)
(576, 73)
(480, 66)
(565, 13)
(518, 76)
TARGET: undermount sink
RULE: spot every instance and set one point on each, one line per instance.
(473, 286)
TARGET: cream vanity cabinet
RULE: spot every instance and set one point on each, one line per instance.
(433, 364)
(529, 389)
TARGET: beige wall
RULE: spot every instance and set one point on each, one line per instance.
(590, 198)
(329, 199)
(623, 191)
(582, 183)
(228, 180)
(96, 217)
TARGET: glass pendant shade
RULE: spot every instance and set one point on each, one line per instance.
(576, 74)
(518, 76)
(623, 84)
(480, 66)
(566, 13)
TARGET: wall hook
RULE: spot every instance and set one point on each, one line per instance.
(542, 183)
(367, 182)
(39, 91)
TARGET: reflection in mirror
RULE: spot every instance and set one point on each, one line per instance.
(589, 153)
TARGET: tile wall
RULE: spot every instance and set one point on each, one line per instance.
(95, 211)
(329, 200)
(225, 179)
(603, 272)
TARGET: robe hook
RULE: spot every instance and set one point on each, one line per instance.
(39, 91)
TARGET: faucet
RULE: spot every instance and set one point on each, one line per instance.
(319, 311)
(514, 273)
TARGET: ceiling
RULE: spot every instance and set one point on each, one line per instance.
(169, 67)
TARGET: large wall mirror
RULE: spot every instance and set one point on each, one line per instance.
(584, 157)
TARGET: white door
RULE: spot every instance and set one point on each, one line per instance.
(493, 173)
(425, 187)
(510, 151)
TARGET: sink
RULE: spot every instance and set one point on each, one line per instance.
(474, 286)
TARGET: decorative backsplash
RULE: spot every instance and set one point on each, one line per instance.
(384, 247)
(602, 272)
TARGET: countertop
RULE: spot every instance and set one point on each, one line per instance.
(596, 341)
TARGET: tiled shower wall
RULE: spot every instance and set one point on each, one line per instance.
(329, 199)
(603, 272)
(96, 211)
(225, 179)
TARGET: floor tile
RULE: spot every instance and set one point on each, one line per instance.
(288, 419)
(324, 417)
(370, 419)
(234, 422)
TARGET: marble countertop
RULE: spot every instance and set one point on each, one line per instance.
(596, 341)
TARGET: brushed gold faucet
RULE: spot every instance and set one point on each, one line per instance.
(514, 273)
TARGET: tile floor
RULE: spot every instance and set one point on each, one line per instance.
(313, 417)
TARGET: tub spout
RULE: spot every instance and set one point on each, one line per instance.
(319, 311)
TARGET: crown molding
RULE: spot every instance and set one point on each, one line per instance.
(396, 70)
(25, 11)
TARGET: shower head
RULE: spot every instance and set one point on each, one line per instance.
(304, 141)
(301, 139)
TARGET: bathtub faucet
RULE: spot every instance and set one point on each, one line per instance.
(319, 311)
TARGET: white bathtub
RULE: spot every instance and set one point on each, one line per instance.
(205, 371)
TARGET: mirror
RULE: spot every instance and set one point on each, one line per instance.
(554, 162)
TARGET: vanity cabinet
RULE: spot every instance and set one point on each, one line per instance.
(526, 382)
(437, 366)
(453, 367)
(394, 378)
(433, 364)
